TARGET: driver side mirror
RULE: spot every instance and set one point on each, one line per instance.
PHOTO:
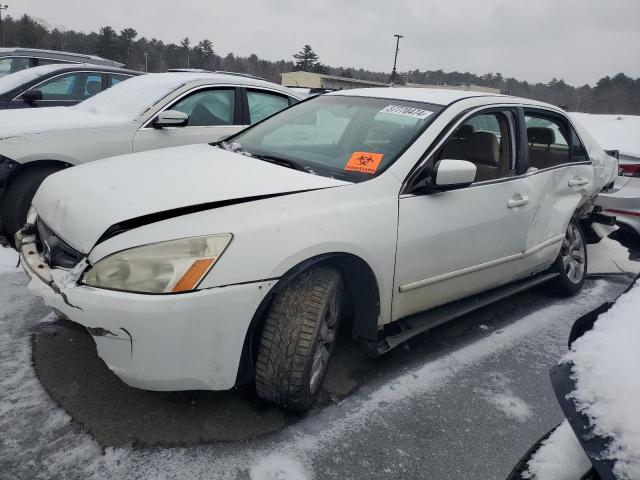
(447, 175)
(171, 118)
(32, 96)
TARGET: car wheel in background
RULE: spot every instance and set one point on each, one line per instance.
(297, 339)
(18, 197)
(571, 264)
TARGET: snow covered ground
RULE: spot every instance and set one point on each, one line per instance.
(8, 260)
(464, 401)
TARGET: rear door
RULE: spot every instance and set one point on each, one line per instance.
(559, 174)
(214, 113)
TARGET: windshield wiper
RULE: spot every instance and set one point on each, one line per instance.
(283, 162)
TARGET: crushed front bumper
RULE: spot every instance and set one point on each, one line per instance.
(190, 341)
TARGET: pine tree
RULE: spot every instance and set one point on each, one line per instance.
(128, 37)
(307, 60)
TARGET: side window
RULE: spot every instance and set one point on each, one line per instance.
(213, 107)
(485, 140)
(73, 86)
(117, 78)
(548, 139)
(264, 104)
(13, 64)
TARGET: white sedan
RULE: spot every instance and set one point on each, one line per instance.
(152, 111)
(207, 266)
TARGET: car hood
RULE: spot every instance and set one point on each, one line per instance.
(25, 121)
(80, 204)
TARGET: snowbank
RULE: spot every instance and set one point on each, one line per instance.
(613, 132)
(606, 361)
(560, 457)
(8, 260)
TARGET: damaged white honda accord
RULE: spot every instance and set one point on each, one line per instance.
(209, 266)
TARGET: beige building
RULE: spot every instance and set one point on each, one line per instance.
(320, 80)
(331, 82)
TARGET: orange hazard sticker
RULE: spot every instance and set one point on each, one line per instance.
(364, 162)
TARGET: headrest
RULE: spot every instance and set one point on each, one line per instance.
(465, 131)
(479, 148)
(484, 148)
(94, 87)
(541, 135)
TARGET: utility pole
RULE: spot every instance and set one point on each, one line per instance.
(395, 60)
(2, 7)
(146, 62)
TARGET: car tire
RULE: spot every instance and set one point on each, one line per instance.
(18, 197)
(571, 264)
(297, 339)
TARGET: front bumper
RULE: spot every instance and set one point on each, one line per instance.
(190, 341)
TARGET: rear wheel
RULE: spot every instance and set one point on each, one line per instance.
(571, 264)
(297, 339)
(18, 198)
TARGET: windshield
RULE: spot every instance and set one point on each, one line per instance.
(132, 98)
(351, 138)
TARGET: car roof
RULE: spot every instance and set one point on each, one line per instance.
(437, 96)
(63, 67)
(203, 78)
(57, 54)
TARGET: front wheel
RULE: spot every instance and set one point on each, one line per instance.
(297, 339)
(571, 264)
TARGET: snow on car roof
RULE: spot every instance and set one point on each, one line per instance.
(605, 369)
(132, 98)
(613, 132)
(437, 96)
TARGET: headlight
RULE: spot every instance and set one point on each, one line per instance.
(166, 267)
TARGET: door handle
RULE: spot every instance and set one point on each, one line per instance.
(518, 202)
(578, 182)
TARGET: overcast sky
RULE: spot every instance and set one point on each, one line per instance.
(535, 40)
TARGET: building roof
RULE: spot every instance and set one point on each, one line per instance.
(339, 79)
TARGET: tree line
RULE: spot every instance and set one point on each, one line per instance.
(618, 94)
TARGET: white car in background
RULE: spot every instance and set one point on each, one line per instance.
(621, 133)
(147, 112)
(207, 266)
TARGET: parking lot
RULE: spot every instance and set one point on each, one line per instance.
(463, 401)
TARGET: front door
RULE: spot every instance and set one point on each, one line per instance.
(457, 243)
(214, 114)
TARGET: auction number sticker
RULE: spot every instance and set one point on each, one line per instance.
(407, 111)
(364, 162)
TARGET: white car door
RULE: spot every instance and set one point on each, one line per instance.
(214, 114)
(559, 175)
(459, 242)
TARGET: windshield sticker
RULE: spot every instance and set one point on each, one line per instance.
(365, 162)
(407, 111)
